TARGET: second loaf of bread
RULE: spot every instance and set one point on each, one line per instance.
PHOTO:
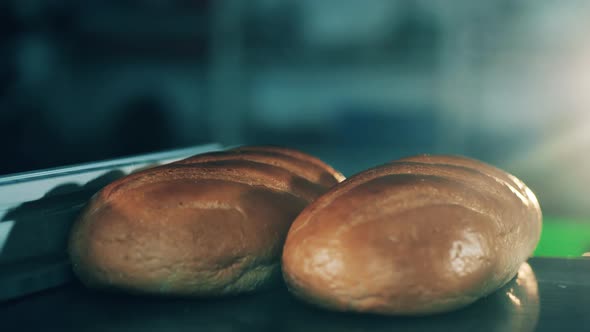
(422, 235)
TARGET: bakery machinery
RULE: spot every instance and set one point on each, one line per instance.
(39, 291)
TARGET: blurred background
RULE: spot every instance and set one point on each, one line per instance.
(355, 82)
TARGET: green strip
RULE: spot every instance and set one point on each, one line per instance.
(564, 237)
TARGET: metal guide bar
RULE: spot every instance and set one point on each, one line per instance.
(30, 186)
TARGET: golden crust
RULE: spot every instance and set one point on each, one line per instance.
(206, 228)
(416, 236)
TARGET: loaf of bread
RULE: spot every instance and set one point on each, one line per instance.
(210, 225)
(422, 235)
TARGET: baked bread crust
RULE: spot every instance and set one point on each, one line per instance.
(421, 235)
(207, 226)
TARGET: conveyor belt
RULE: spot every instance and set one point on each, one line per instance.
(555, 298)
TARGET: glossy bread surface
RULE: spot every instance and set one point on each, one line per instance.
(211, 225)
(421, 235)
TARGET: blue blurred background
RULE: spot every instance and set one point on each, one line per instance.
(355, 82)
